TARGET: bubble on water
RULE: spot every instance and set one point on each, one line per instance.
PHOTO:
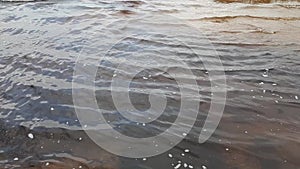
(276, 101)
(144, 124)
(51, 108)
(186, 150)
(190, 166)
(16, 159)
(170, 155)
(261, 83)
(274, 84)
(296, 97)
(80, 166)
(204, 167)
(114, 75)
(184, 134)
(145, 78)
(177, 166)
(30, 135)
(227, 149)
(265, 74)
(246, 132)
(47, 164)
(79, 138)
(185, 165)
(144, 159)
(182, 154)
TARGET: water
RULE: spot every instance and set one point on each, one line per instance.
(257, 43)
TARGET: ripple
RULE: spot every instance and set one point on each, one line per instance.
(257, 43)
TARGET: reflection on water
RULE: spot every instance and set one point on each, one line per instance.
(259, 48)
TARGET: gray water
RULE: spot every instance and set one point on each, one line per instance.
(257, 43)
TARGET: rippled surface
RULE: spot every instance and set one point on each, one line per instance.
(257, 43)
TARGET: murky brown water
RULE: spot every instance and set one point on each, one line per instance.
(258, 44)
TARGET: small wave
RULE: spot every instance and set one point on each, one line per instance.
(133, 3)
(227, 18)
(21, 0)
(256, 1)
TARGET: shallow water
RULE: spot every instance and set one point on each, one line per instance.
(257, 43)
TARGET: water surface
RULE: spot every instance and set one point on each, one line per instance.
(258, 44)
